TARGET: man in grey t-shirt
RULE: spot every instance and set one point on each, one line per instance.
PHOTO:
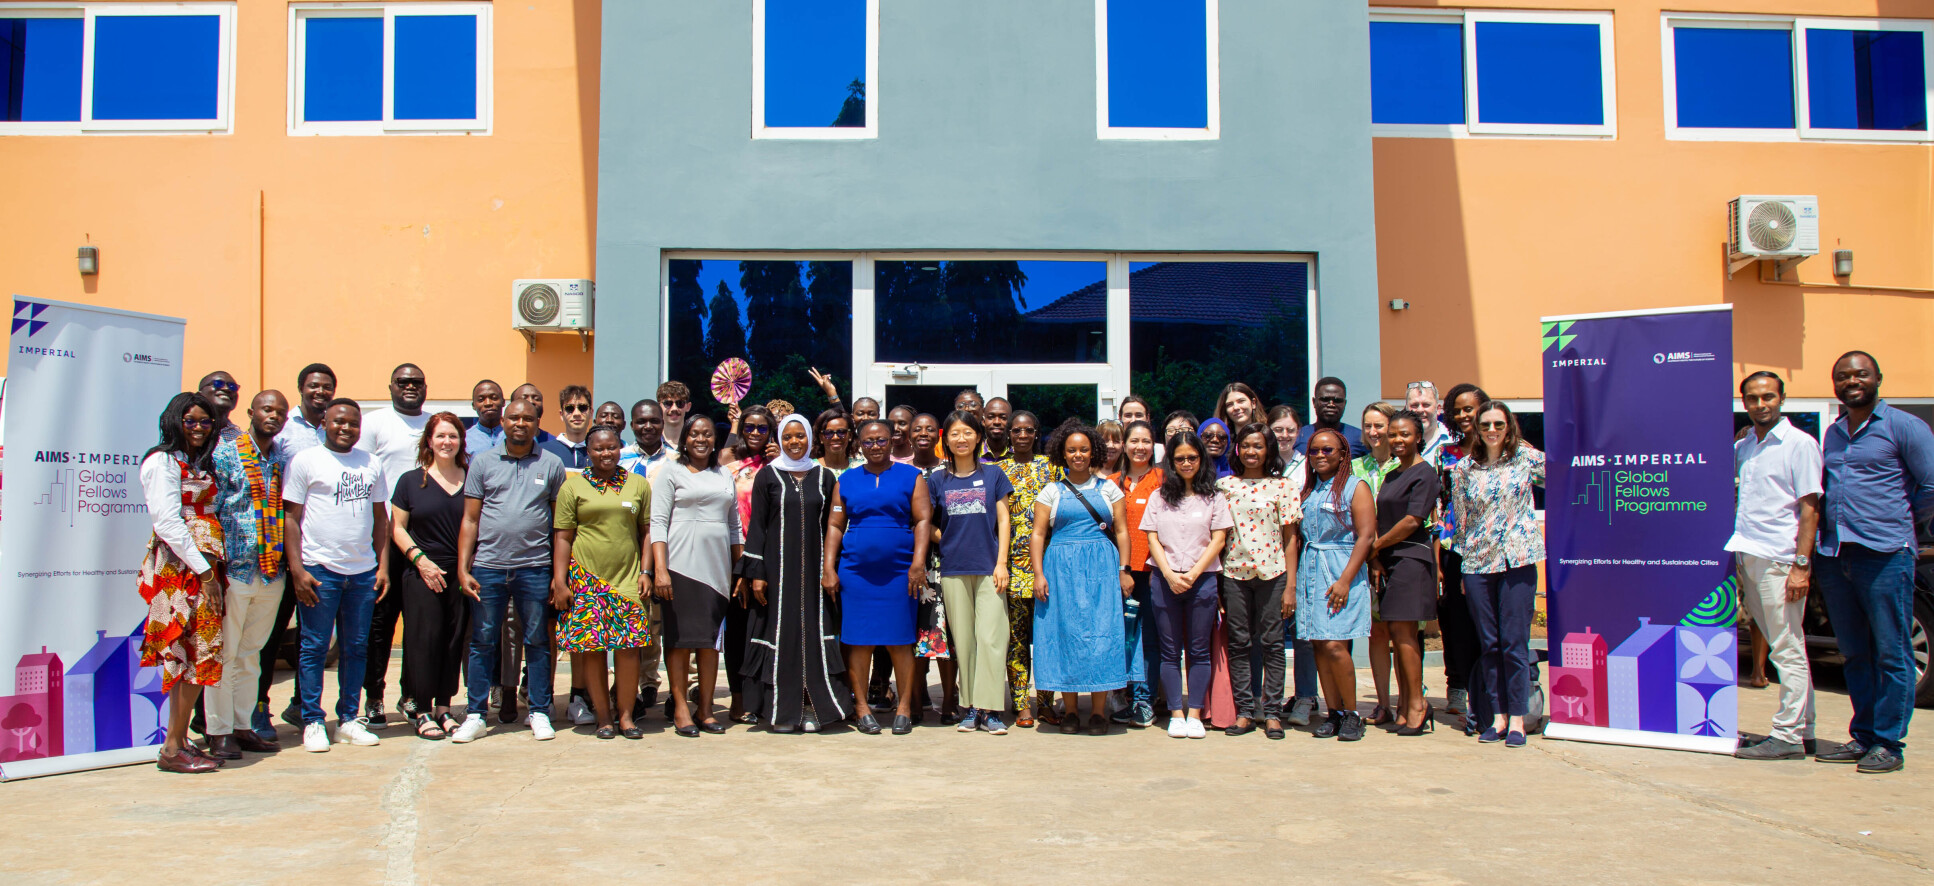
(504, 559)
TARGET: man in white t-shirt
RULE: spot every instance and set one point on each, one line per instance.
(337, 549)
(392, 435)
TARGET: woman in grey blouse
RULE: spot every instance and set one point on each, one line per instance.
(696, 538)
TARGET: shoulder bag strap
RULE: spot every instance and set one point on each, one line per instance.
(1099, 519)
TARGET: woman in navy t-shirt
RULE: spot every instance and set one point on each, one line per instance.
(970, 517)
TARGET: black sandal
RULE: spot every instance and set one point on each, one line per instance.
(428, 728)
(449, 723)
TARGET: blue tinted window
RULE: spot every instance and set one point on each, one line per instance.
(157, 67)
(40, 69)
(436, 67)
(1158, 63)
(1416, 72)
(1866, 80)
(1539, 72)
(342, 69)
(815, 64)
(1734, 78)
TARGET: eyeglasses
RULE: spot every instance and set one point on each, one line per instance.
(674, 404)
(1327, 450)
(1419, 384)
(874, 444)
(1187, 459)
(836, 432)
(577, 407)
(197, 422)
(228, 386)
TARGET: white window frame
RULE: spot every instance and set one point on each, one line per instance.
(88, 13)
(1608, 73)
(1211, 132)
(1670, 53)
(1469, 19)
(389, 125)
(872, 128)
(1112, 378)
(1802, 106)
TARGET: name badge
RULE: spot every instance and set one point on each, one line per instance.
(1141, 501)
(627, 505)
(537, 481)
(977, 482)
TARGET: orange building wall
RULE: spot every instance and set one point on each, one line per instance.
(1485, 235)
(356, 251)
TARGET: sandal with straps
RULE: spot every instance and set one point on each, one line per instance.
(426, 727)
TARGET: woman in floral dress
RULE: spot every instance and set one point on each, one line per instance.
(1029, 472)
(182, 576)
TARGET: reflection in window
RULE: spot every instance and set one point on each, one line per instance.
(342, 68)
(1873, 80)
(1196, 326)
(815, 63)
(1416, 72)
(1054, 404)
(1706, 67)
(157, 67)
(1540, 72)
(40, 69)
(782, 317)
(990, 311)
(1158, 64)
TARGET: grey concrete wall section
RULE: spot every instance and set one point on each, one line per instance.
(986, 141)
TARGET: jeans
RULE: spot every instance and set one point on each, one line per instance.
(1138, 634)
(529, 590)
(1762, 587)
(1305, 664)
(343, 605)
(1185, 622)
(1502, 604)
(1253, 617)
(1870, 598)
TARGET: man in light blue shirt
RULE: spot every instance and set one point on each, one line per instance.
(1879, 486)
(486, 430)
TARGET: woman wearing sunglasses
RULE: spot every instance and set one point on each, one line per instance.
(1498, 536)
(1187, 524)
(1331, 598)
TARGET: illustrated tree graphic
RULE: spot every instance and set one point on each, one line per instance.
(21, 721)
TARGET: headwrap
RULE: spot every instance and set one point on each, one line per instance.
(786, 462)
(1221, 461)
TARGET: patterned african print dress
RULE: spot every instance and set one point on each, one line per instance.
(183, 632)
(1028, 479)
(608, 610)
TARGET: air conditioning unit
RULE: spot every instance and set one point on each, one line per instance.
(551, 306)
(1774, 227)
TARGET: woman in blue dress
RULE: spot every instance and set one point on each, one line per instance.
(876, 561)
(1079, 551)
(1331, 599)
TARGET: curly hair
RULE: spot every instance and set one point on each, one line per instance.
(1057, 448)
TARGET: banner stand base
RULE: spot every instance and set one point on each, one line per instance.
(1707, 744)
(20, 769)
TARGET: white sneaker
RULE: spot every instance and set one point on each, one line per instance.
(541, 727)
(1178, 727)
(315, 738)
(472, 729)
(355, 732)
(581, 713)
(1195, 729)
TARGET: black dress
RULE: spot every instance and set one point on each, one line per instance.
(792, 648)
(1410, 566)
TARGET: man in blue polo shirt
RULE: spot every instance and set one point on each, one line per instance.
(1879, 485)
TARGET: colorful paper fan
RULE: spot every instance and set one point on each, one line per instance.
(731, 381)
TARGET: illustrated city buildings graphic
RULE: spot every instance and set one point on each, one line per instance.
(106, 701)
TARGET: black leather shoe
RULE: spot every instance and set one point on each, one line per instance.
(686, 731)
(1236, 729)
(784, 728)
(247, 740)
(606, 733)
(1273, 733)
(867, 725)
(1851, 752)
(1880, 760)
(1070, 724)
(223, 747)
(1328, 728)
(634, 733)
(902, 724)
(713, 726)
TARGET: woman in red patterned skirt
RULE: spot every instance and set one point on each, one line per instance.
(181, 577)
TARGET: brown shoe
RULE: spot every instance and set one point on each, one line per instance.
(183, 762)
(255, 744)
(223, 747)
(188, 748)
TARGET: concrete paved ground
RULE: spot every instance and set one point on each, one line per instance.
(941, 806)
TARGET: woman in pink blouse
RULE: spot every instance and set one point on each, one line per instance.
(1187, 523)
(1499, 538)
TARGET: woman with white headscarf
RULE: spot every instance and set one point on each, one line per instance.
(792, 646)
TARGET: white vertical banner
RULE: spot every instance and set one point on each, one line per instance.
(85, 390)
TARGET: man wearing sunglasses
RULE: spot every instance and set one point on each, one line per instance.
(1326, 406)
(392, 436)
(573, 447)
(676, 401)
(220, 389)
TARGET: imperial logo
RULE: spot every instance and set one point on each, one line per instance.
(27, 314)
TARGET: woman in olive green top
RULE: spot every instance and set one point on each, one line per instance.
(602, 526)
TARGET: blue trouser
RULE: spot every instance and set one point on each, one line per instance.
(1870, 598)
(1185, 623)
(343, 605)
(1138, 622)
(529, 589)
(1305, 664)
(1502, 605)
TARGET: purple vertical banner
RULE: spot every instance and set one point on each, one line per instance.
(1638, 507)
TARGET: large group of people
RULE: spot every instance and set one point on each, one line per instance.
(827, 558)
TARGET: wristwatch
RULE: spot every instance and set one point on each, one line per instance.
(1802, 561)
(1128, 569)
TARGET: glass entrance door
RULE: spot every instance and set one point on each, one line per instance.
(1053, 393)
